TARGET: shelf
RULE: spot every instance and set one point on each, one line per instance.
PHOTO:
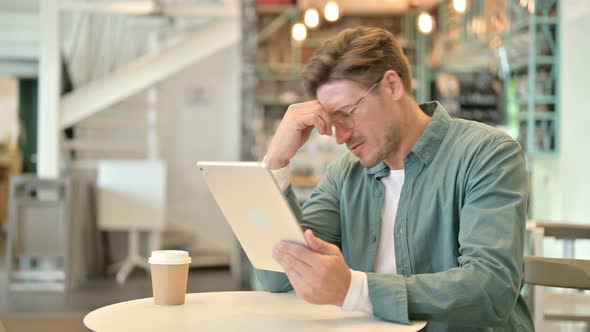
(543, 116)
(542, 153)
(273, 8)
(539, 61)
(272, 77)
(478, 100)
(313, 42)
(276, 101)
(520, 25)
(279, 72)
(538, 100)
(304, 180)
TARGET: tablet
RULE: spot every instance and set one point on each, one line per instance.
(254, 206)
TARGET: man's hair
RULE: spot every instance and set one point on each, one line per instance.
(361, 55)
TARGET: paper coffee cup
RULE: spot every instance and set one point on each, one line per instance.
(169, 276)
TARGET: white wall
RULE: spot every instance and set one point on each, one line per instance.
(8, 109)
(575, 119)
(200, 119)
(19, 37)
(561, 184)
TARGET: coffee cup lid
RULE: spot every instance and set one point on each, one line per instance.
(169, 257)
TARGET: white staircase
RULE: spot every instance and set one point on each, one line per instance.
(115, 113)
(123, 131)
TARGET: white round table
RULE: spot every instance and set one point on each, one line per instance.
(236, 311)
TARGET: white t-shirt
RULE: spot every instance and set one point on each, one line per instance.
(385, 261)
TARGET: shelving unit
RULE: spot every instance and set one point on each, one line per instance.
(532, 46)
(477, 96)
(519, 40)
(467, 53)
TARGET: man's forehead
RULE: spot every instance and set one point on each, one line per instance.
(339, 94)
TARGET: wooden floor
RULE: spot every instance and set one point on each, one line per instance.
(64, 322)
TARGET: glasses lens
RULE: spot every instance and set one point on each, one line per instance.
(342, 120)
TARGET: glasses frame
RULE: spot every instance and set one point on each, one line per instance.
(350, 111)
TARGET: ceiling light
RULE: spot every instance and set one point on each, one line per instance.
(331, 11)
(460, 5)
(425, 23)
(299, 32)
(311, 18)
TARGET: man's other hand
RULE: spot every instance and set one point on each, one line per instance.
(318, 273)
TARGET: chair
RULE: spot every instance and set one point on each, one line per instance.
(558, 272)
(39, 231)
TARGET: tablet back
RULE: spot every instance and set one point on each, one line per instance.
(256, 210)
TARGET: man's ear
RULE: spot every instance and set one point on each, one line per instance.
(394, 84)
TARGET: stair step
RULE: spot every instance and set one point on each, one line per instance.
(110, 123)
(134, 104)
(131, 146)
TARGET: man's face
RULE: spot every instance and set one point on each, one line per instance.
(376, 133)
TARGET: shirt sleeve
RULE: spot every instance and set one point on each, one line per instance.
(277, 282)
(283, 177)
(357, 297)
(484, 288)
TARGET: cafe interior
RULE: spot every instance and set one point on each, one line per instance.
(106, 106)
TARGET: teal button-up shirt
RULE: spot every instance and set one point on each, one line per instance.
(459, 228)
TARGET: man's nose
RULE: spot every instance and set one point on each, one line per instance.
(342, 134)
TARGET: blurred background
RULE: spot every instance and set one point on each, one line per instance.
(105, 107)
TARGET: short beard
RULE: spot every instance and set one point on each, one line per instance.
(392, 142)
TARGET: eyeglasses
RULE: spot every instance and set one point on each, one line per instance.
(345, 119)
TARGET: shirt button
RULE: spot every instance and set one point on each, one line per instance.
(401, 231)
(378, 193)
(374, 238)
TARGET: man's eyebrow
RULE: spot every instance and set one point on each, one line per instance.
(344, 107)
(348, 106)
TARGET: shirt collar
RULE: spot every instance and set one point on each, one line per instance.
(427, 145)
(429, 142)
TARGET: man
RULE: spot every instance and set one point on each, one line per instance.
(423, 219)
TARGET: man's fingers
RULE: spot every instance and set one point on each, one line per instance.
(300, 285)
(319, 245)
(326, 122)
(310, 257)
(313, 114)
(313, 119)
(286, 255)
(318, 122)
